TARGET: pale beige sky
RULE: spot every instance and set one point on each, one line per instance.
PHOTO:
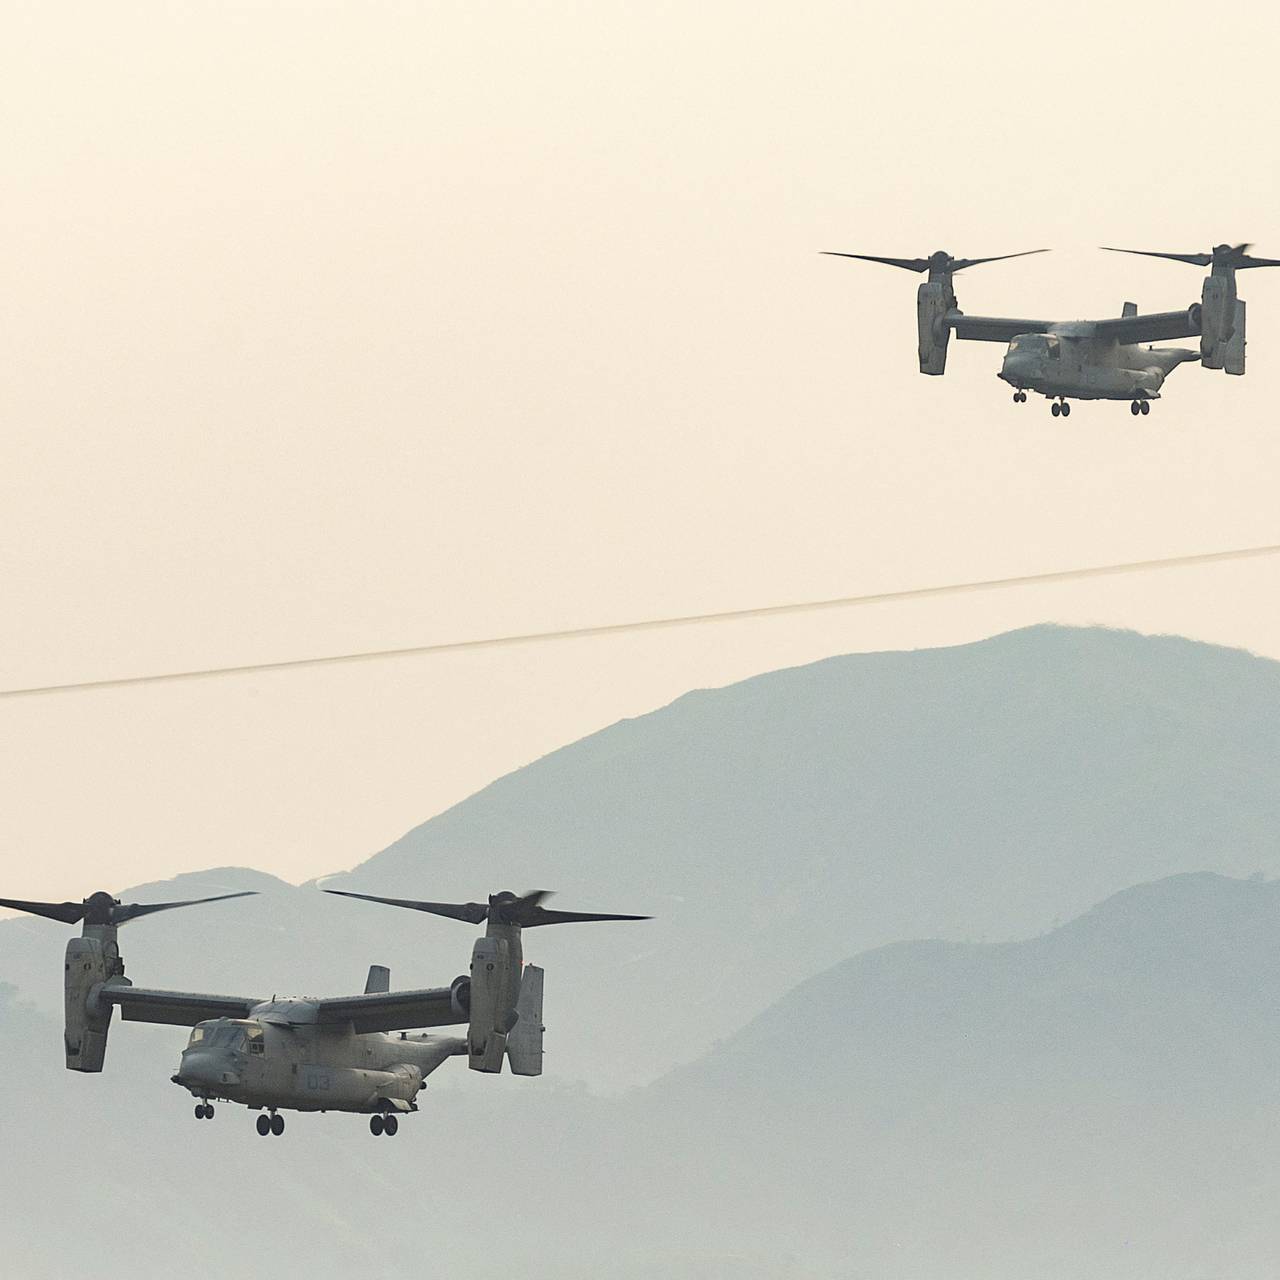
(339, 326)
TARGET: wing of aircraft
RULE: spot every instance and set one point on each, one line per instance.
(994, 328)
(1157, 327)
(391, 1010)
(376, 1011)
(178, 1008)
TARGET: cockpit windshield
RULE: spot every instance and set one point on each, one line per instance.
(1039, 344)
(225, 1034)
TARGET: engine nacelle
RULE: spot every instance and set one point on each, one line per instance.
(88, 966)
(460, 998)
(488, 1002)
(933, 300)
(1217, 321)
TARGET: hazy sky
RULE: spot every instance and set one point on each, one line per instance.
(335, 326)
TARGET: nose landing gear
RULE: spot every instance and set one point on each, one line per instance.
(204, 1111)
(1019, 397)
(1140, 406)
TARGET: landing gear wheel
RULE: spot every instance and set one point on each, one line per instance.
(390, 1126)
(199, 1111)
(1146, 406)
(277, 1125)
(375, 1125)
(1055, 408)
(1066, 409)
(264, 1125)
(1136, 408)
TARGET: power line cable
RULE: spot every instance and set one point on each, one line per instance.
(655, 624)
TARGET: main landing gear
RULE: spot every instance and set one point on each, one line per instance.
(1140, 406)
(271, 1124)
(1060, 406)
(384, 1124)
(204, 1111)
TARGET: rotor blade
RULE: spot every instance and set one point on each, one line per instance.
(540, 915)
(471, 912)
(1195, 259)
(534, 898)
(513, 910)
(132, 910)
(961, 263)
(907, 264)
(66, 912)
(1246, 262)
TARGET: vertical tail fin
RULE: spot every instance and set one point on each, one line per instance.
(524, 1043)
(1233, 352)
(378, 981)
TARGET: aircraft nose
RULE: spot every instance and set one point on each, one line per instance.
(1015, 367)
(200, 1067)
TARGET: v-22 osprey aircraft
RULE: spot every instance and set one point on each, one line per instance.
(331, 1054)
(1067, 360)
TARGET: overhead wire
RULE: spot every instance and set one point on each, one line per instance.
(653, 624)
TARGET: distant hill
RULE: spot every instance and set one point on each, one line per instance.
(1163, 987)
(1103, 1100)
(777, 826)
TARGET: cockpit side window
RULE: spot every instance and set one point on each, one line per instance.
(256, 1039)
(1055, 348)
(197, 1036)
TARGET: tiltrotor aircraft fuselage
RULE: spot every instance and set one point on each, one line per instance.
(361, 1053)
(1088, 359)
